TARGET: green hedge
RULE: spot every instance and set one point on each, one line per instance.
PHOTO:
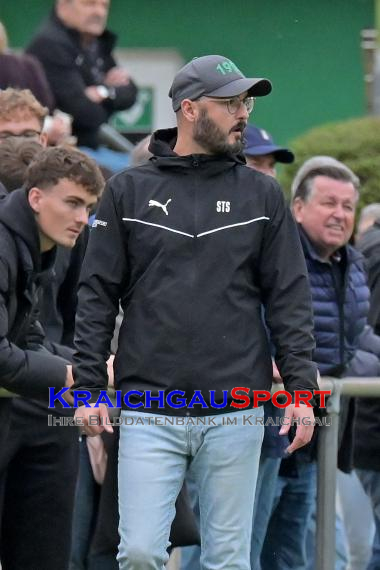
(355, 142)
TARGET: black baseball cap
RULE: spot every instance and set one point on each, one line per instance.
(214, 76)
(259, 142)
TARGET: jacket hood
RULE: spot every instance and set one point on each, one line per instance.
(18, 217)
(161, 146)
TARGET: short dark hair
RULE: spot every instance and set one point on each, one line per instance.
(55, 163)
(15, 156)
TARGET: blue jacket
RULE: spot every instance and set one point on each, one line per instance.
(340, 312)
(340, 307)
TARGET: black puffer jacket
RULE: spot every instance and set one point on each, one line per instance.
(26, 367)
(193, 246)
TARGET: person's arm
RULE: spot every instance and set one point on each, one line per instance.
(104, 276)
(26, 372)
(123, 97)
(288, 308)
(67, 297)
(287, 297)
(374, 285)
(122, 86)
(66, 82)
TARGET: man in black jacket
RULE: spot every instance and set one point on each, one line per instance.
(193, 243)
(52, 208)
(75, 50)
(367, 424)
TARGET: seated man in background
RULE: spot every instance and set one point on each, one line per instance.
(75, 50)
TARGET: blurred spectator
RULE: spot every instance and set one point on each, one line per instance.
(76, 51)
(261, 153)
(21, 115)
(368, 216)
(15, 156)
(23, 72)
(369, 244)
(367, 426)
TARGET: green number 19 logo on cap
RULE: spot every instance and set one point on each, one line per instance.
(228, 67)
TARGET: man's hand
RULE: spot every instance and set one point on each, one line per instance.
(110, 370)
(58, 128)
(68, 397)
(304, 430)
(276, 374)
(101, 413)
(116, 76)
(93, 94)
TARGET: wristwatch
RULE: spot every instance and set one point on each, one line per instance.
(106, 92)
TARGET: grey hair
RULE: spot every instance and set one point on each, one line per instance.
(369, 213)
(302, 185)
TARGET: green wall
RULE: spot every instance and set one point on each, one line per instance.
(310, 50)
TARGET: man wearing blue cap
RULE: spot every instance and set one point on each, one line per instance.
(192, 244)
(261, 153)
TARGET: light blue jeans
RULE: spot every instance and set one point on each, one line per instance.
(153, 460)
(355, 509)
(190, 555)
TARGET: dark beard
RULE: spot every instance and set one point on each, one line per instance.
(208, 135)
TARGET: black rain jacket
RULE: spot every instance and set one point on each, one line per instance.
(194, 246)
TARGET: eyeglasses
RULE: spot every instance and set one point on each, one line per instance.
(234, 103)
(29, 134)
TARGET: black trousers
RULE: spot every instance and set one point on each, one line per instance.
(38, 466)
